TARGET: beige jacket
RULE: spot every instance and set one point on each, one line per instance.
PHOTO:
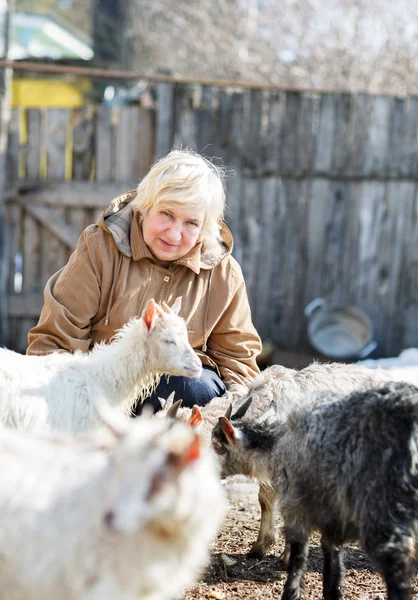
(111, 276)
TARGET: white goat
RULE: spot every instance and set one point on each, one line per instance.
(58, 390)
(282, 385)
(130, 518)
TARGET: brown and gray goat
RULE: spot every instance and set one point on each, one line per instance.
(282, 385)
(343, 465)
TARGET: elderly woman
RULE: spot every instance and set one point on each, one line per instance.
(163, 240)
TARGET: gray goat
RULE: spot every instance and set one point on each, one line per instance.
(347, 467)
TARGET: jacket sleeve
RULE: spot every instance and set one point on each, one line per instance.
(71, 300)
(234, 343)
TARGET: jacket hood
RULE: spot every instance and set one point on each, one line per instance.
(121, 221)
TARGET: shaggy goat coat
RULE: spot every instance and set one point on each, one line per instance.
(345, 466)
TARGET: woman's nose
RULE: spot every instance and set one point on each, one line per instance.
(174, 232)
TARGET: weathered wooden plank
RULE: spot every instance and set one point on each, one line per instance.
(410, 271)
(31, 283)
(270, 143)
(13, 146)
(57, 122)
(325, 137)
(340, 151)
(375, 160)
(261, 300)
(204, 119)
(409, 151)
(54, 224)
(307, 133)
(53, 251)
(126, 145)
(401, 197)
(70, 194)
(370, 269)
(250, 234)
(252, 159)
(289, 146)
(396, 125)
(287, 324)
(34, 136)
(185, 135)
(13, 244)
(164, 121)
(358, 140)
(336, 217)
(222, 137)
(83, 142)
(318, 192)
(351, 244)
(104, 144)
(146, 141)
(232, 155)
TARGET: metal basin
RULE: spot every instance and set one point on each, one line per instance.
(342, 332)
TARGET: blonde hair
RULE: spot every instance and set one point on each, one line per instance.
(185, 178)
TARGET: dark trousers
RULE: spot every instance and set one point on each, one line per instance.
(192, 391)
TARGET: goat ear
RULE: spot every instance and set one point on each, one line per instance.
(150, 314)
(180, 460)
(196, 416)
(228, 430)
(115, 421)
(242, 409)
(176, 306)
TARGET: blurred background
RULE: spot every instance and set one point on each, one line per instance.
(312, 106)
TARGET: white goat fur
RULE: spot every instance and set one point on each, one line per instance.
(130, 519)
(59, 390)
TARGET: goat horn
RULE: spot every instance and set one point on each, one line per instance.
(228, 412)
(173, 410)
(165, 307)
(243, 409)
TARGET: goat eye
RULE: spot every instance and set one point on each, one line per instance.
(168, 342)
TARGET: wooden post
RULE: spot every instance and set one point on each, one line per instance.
(5, 93)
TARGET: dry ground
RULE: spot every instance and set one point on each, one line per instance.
(252, 579)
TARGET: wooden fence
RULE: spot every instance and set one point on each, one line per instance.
(323, 201)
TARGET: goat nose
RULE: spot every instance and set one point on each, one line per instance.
(108, 519)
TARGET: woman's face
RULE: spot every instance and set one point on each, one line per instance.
(171, 232)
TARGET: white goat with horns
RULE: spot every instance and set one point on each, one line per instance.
(58, 390)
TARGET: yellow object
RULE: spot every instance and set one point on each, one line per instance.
(55, 93)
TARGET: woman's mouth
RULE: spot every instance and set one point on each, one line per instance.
(166, 244)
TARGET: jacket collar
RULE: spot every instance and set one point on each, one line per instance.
(120, 220)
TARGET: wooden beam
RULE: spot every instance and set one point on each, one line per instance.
(65, 233)
(76, 194)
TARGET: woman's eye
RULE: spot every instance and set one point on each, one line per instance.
(193, 224)
(165, 213)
